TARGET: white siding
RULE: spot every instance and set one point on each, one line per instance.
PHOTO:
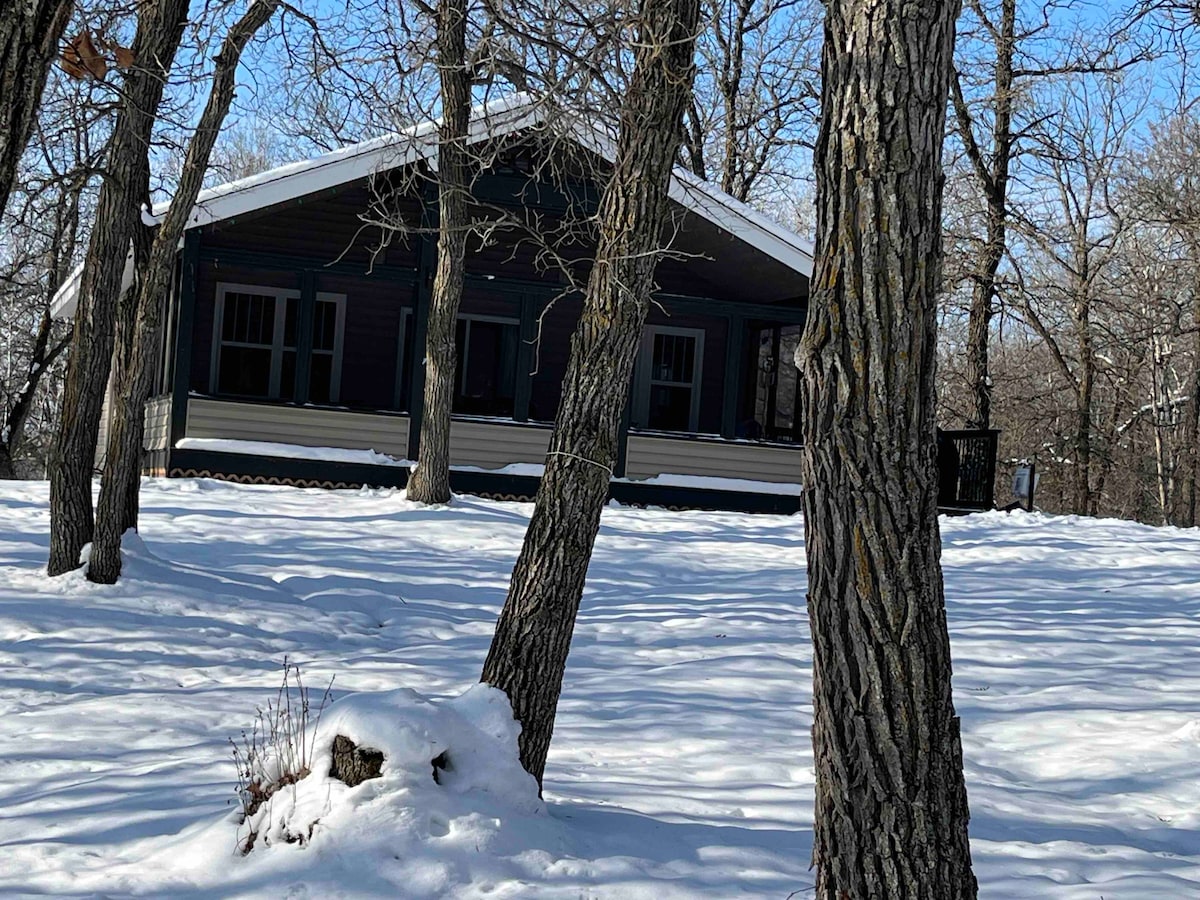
(158, 423)
(297, 425)
(649, 456)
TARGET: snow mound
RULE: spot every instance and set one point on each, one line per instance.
(482, 803)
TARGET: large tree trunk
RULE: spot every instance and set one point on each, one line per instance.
(126, 183)
(430, 483)
(533, 636)
(891, 804)
(117, 509)
(30, 32)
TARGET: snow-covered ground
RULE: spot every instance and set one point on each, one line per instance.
(681, 764)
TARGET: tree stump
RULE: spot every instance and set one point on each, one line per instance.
(353, 764)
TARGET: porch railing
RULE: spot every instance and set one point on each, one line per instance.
(967, 469)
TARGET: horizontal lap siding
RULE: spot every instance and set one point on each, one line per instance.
(158, 424)
(325, 229)
(297, 425)
(494, 445)
(650, 456)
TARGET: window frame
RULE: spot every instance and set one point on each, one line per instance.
(644, 379)
(282, 296)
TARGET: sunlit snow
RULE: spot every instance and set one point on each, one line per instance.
(681, 764)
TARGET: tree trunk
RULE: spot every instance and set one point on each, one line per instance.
(30, 33)
(430, 483)
(116, 511)
(891, 803)
(1081, 474)
(533, 636)
(160, 27)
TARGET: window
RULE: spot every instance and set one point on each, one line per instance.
(667, 397)
(487, 365)
(776, 383)
(404, 359)
(255, 337)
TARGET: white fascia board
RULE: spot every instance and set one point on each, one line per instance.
(330, 170)
(66, 298)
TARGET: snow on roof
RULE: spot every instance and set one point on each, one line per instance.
(496, 118)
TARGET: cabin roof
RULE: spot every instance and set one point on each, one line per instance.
(497, 118)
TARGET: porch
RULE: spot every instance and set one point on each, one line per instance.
(275, 444)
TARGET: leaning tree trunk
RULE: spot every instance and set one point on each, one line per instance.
(891, 803)
(127, 174)
(533, 636)
(430, 483)
(30, 33)
(117, 509)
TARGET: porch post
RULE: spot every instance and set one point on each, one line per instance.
(734, 346)
(623, 439)
(181, 378)
(528, 334)
(304, 334)
(422, 296)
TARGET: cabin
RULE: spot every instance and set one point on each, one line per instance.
(295, 327)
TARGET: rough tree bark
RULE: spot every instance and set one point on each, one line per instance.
(30, 32)
(891, 804)
(126, 182)
(430, 483)
(533, 636)
(116, 510)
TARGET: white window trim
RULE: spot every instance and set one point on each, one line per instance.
(644, 381)
(277, 346)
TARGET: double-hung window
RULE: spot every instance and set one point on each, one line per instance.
(667, 395)
(255, 336)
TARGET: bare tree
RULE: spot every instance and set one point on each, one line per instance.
(891, 803)
(528, 654)
(753, 118)
(30, 32)
(1163, 192)
(430, 483)
(1071, 253)
(125, 188)
(117, 508)
(1008, 53)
